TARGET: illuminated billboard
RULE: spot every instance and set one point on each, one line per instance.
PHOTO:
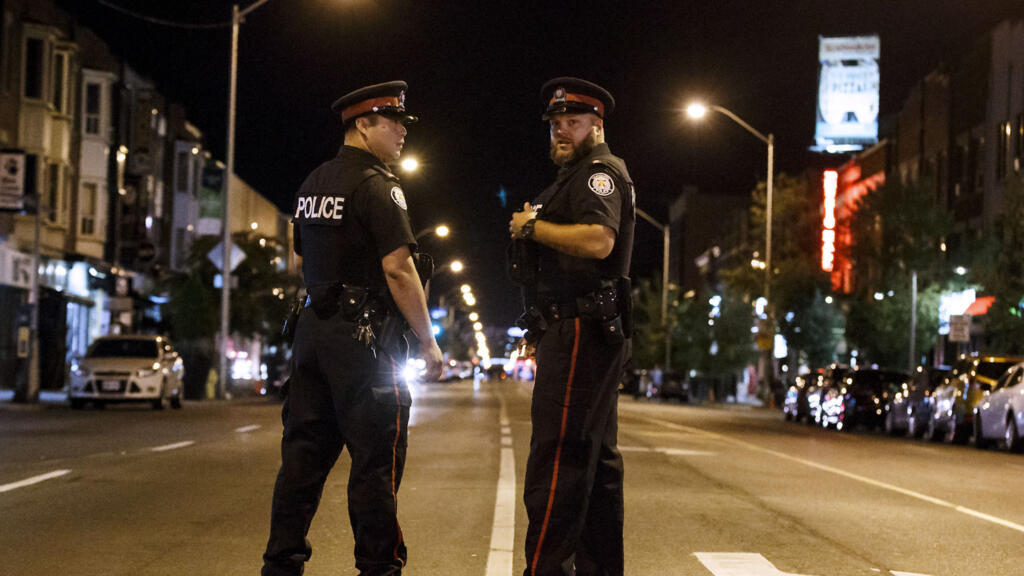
(848, 79)
(828, 225)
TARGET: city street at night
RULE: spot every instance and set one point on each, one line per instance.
(720, 490)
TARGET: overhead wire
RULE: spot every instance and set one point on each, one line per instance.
(163, 22)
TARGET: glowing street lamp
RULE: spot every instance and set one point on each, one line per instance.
(466, 288)
(456, 266)
(441, 230)
(410, 164)
(473, 316)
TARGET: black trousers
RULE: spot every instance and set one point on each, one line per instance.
(573, 486)
(340, 396)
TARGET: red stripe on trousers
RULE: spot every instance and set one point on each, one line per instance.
(394, 456)
(558, 450)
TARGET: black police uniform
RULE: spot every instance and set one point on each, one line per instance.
(349, 214)
(573, 485)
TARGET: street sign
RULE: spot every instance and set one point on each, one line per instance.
(217, 256)
(12, 181)
(959, 328)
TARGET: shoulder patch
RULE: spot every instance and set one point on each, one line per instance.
(601, 183)
(399, 197)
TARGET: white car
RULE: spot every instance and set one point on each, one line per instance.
(1000, 416)
(128, 368)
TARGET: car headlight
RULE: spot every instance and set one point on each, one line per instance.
(146, 372)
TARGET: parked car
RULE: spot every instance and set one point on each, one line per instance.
(128, 368)
(953, 403)
(826, 402)
(796, 405)
(673, 385)
(909, 410)
(858, 398)
(1000, 415)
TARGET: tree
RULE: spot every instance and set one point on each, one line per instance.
(797, 306)
(258, 304)
(648, 329)
(896, 230)
(1000, 270)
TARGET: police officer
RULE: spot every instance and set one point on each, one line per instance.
(578, 236)
(352, 230)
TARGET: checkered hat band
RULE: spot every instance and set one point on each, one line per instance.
(592, 102)
(360, 108)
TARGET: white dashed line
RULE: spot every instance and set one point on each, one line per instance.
(33, 480)
(174, 446)
(249, 428)
(667, 451)
(499, 560)
(844, 473)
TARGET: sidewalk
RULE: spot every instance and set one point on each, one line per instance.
(46, 398)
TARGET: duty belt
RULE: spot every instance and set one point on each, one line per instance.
(598, 305)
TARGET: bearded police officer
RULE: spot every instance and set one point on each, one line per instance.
(571, 252)
(358, 251)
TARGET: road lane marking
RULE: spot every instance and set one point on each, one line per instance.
(33, 480)
(499, 559)
(249, 428)
(666, 451)
(174, 446)
(850, 475)
(895, 573)
(739, 564)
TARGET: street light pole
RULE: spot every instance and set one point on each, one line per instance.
(665, 231)
(225, 273)
(698, 111)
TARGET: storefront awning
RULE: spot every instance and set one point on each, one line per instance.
(980, 306)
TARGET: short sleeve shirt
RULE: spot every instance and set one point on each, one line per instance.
(587, 192)
(347, 246)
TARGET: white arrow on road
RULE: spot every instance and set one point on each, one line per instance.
(747, 564)
(739, 564)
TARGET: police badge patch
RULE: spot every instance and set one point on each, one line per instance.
(399, 197)
(601, 184)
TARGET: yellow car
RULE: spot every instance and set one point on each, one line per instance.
(953, 403)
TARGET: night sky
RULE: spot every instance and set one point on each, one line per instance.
(475, 70)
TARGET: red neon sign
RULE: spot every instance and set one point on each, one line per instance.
(828, 232)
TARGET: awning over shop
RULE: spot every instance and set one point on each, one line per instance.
(980, 306)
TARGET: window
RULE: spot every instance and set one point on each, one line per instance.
(88, 208)
(1020, 136)
(181, 179)
(33, 82)
(60, 79)
(92, 108)
(52, 207)
(1003, 149)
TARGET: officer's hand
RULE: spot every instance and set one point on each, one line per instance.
(525, 349)
(519, 218)
(431, 354)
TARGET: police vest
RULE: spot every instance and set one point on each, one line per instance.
(335, 246)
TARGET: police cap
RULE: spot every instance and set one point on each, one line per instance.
(387, 99)
(575, 96)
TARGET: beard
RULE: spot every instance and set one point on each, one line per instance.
(568, 157)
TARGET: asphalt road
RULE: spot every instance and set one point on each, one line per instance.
(709, 491)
